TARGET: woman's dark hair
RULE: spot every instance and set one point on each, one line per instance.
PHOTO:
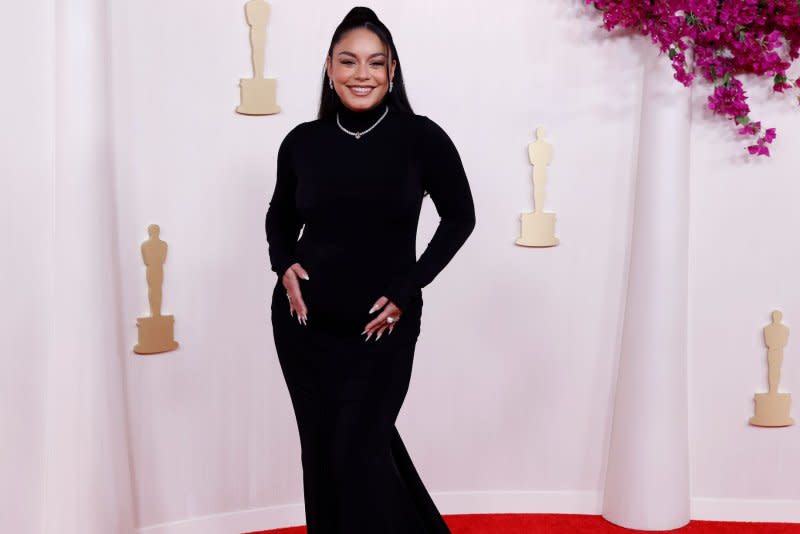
(364, 17)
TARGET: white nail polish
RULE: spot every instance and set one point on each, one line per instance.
(306, 277)
(379, 336)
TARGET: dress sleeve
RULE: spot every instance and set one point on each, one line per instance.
(444, 178)
(282, 222)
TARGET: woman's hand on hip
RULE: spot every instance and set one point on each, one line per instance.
(291, 281)
(386, 319)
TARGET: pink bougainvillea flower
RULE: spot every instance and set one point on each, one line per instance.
(727, 38)
(758, 150)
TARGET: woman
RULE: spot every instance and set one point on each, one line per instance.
(347, 306)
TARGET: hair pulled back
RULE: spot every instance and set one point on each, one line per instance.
(364, 17)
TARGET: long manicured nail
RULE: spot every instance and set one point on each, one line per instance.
(306, 277)
(372, 309)
(390, 329)
(368, 335)
(379, 336)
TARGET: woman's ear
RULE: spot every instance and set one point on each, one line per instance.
(328, 67)
(391, 74)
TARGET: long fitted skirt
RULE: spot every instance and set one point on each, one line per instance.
(358, 477)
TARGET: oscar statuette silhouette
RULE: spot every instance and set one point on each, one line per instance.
(156, 333)
(257, 94)
(772, 408)
(538, 228)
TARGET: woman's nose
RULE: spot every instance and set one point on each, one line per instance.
(362, 73)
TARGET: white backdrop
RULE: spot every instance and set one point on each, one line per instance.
(119, 114)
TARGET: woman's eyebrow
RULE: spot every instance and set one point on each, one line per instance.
(346, 53)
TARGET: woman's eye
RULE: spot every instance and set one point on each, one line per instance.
(351, 62)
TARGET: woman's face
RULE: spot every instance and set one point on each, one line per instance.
(357, 67)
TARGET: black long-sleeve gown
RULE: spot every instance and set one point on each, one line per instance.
(360, 200)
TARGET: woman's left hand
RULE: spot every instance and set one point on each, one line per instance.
(379, 323)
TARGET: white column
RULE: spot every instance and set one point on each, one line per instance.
(87, 479)
(26, 178)
(647, 479)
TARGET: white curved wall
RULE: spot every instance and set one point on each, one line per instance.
(515, 363)
(511, 395)
(26, 164)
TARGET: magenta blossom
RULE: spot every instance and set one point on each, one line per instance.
(728, 38)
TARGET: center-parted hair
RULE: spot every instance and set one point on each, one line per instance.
(364, 17)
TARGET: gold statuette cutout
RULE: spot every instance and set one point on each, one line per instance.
(156, 333)
(539, 228)
(257, 94)
(772, 408)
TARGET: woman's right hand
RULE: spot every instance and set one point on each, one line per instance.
(292, 284)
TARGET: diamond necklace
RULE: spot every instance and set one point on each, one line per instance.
(358, 135)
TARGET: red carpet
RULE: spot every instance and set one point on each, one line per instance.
(577, 524)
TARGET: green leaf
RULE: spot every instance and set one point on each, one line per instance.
(742, 120)
(726, 80)
(672, 53)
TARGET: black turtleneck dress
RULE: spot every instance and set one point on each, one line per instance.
(357, 202)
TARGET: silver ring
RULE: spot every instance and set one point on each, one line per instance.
(390, 319)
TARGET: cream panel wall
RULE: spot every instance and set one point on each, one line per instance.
(744, 262)
(516, 363)
(516, 360)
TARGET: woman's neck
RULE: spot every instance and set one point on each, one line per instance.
(359, 120)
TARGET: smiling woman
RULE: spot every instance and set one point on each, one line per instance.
(362, 66)
(358, 70)
(355, 179)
